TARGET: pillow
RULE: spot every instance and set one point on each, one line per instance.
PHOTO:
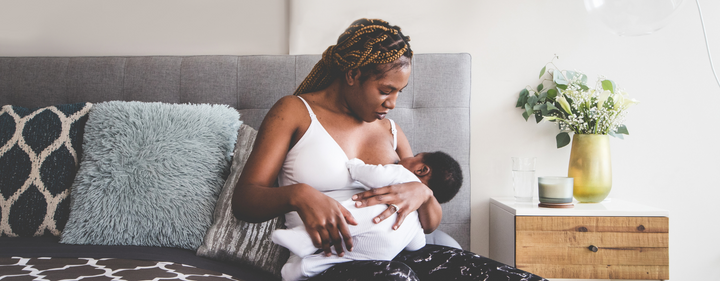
(230, 239)
(151, 174)
(39, 153)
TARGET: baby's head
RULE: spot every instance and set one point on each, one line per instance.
(440, 172)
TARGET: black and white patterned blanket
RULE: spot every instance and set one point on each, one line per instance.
(19, 268)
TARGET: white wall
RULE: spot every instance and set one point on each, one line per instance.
(667, 161)
(142, 27)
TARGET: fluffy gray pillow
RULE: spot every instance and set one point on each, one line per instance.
(234, 240)
(151, 173)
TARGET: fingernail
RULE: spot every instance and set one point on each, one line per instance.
(376, 220)
(341, 254)
(395, 227)
(358, 204)
(354, 197)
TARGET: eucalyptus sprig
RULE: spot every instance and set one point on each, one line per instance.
(563, 97)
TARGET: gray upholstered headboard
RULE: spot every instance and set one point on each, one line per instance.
(434, 110)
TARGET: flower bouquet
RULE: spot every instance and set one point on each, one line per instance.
(564, 97)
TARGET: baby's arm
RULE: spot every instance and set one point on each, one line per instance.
(295, 239)
(375, 176)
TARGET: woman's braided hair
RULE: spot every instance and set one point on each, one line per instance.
(364, 45)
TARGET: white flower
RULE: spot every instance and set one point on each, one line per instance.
(623, 100)
(602, 98)
(564, 104)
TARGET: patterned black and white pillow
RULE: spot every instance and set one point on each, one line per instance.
(40, 150)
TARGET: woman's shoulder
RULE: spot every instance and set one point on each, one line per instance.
(288, 106)
(288, 112)
(288, 102)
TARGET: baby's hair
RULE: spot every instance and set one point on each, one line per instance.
(445, 175)
(364, 45)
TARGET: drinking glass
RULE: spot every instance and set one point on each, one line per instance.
(523, 173)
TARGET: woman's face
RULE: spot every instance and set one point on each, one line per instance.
(372, 99)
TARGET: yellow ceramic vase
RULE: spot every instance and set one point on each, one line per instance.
(590, 167)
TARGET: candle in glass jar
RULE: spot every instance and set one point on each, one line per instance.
(555, 189)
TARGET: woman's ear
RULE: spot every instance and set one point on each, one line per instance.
(352, 77)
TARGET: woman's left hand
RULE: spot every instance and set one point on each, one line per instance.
(408, 197)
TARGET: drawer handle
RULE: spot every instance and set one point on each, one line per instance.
(593, 248)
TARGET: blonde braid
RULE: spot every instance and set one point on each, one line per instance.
(347, 55)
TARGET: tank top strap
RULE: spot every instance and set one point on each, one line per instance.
(312, 114)
(393, 130)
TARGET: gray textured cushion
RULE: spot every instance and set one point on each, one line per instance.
(234, 240)
(151, 173)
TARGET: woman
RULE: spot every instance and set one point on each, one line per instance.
(336, 114)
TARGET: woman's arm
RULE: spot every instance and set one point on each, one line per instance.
(256, 200)
(430, 212)
(407, 196)
(430, 215)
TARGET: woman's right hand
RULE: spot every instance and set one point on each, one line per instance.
(325, 219)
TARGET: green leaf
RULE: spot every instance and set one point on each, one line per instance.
(525, 115)
(540, 87)
(538, 117)
(542, 72)
(568, 76)
(551, 107)
(532, 100)
(543, 108)
(562, 139)
(569, 99)
(559, 79)
(528, 111)
(562, 86)
(610, 102)
(542, 97)
(522, 99)
(577, 76)
(551, 94)
(614, 134)
(608, 86)
(583, 78)
(622, 129)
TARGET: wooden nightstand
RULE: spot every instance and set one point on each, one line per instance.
(608, 240)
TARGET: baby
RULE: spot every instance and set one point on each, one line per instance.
(440, 172)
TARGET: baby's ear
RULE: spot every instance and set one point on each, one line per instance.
(424, 170)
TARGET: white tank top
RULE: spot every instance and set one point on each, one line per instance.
(317, 160)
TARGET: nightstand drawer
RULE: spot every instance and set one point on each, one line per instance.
(593, 247)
